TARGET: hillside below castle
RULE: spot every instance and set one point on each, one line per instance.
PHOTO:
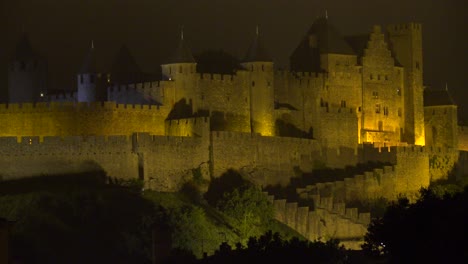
(346, 100)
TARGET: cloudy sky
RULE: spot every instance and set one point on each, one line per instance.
(62, 30)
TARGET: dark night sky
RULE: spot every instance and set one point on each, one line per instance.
(62, 30)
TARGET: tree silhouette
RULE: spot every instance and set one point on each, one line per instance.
(432, 230)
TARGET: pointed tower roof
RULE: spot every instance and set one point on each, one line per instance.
(256, 51)
(183, 53)
(24, 50)
(321, 38)
(89, 62)
(329, 40)
(124, 62)
(438, 97)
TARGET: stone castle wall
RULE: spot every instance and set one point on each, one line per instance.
(70, 118)
(266, 160)
(226, 98)
(64, 155)
(327, 220)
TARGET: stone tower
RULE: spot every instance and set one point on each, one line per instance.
(260, 82)
(440, 118)
(26, 74)
(88, 78)
(180, 68)
(406, 44)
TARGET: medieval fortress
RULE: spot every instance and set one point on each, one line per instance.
(346, 100)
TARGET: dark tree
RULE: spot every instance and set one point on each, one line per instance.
(271, 248)
(432, 230)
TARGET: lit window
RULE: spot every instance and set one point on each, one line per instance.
(375, 95)
(385, 110)
(42, 94)
(377, 108)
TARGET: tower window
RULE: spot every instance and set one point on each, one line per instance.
(91, 78)
(375, 95)
(377, 108)
(385, 111)
(417, 65)
(371, 77)
(399, 111)
(253, 84)
(398, 91)
(343, 103)
(263, 67)
(81, 78)
(180, 69)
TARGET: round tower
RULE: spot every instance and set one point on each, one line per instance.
(87, 78)
(260, 81)
(26, 74)
(180, 68)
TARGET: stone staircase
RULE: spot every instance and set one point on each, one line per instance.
(327, 220)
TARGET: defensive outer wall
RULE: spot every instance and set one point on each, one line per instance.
(165, 162)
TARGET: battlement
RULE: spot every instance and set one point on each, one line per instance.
(327, 220)
(231, 135)
(72, 106)
(338, 110)
(61, 97)
(376, 149)
(193, 120)
(139, 87)
(404, 27)
(218, 77)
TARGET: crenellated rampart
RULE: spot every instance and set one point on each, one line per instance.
(266, 160)
(72, 118)
(326, 220)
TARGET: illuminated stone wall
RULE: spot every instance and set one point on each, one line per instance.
(80, 119)
(226, 98)
(383, 84)
(57, 155)
(266, 160)
(406, 45)
(327, 220)
(168, 162)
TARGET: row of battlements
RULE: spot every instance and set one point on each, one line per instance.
(242, 135)
(404, 149)
(327, 220)
(61, 96)
(61, 106)
(192, 120)
(334, 110)
(59, 140)
(143, 138)
(218, 77)
(134, 87)
(395, 28)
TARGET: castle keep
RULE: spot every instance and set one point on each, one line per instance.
(346, 100)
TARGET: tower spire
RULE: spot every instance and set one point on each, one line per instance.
(326, 13)
(92, 44)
